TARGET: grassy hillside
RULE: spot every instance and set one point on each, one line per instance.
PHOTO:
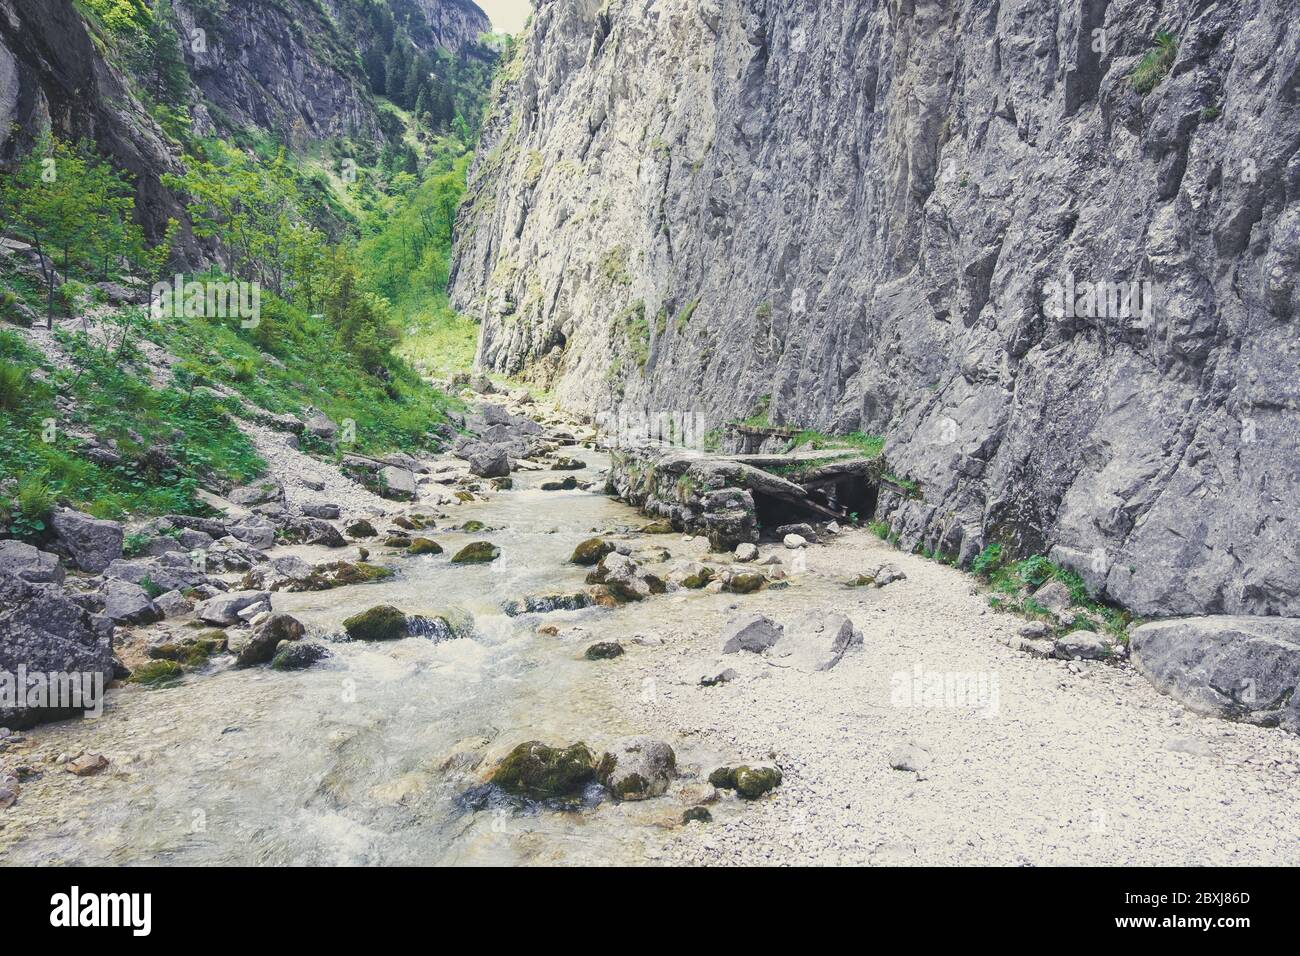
(128, 413)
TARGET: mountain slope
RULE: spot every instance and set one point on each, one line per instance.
(859, 209)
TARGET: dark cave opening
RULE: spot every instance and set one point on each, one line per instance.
(832, 499)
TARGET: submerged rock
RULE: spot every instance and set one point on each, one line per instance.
(697, 815)
(190, 650)
(567, 484)
(534, 769)
(547, 603)
(604, 651)
(299, 656)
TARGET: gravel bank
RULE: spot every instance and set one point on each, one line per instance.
(1064, 763)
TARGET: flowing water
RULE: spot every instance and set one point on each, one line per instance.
(342, 763)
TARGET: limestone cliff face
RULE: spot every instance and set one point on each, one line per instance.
(54, 78)
(858, 208)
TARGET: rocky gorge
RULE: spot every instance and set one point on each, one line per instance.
(880, 448)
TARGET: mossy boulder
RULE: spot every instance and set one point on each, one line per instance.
(502, 484)
(361, 529)
(477, 552)
(424, 546)
(156, 673)
(473, 527)
(663, 526)
(534, 769)
(697, 815)
(604, 651)
(724, 778)
(337, 574)
(398, 541)
(749, 782)
(746, 582)
(382, 623)
(405, 523)
(591, 551)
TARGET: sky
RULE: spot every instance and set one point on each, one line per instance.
(507, 15)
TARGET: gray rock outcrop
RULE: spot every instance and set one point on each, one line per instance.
(45, 633)
(864, 216)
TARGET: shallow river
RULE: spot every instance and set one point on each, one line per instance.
(341, 764)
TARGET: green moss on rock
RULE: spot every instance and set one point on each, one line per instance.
(591, 551)
(604, 651)
(361, 529)
(477, 552)
(753, 782)
(382, 623)
(424, 546)
(156, 673)
(747, 582)
(536, 770)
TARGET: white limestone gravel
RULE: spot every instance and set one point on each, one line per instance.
(1068, 764)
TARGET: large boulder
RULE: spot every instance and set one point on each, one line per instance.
(224, 608)
(29, 563)
(753, 632)
(488, 461)
(590, 552)
(319, 425)
(381, 623)
(262, 492)
(91, 543)
(397, 484)
(128, 603)
(267, 636)
(535, 770)
(1238, 667)
(47, 634)
(174, 571)
(637, 768)
(624, 579)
